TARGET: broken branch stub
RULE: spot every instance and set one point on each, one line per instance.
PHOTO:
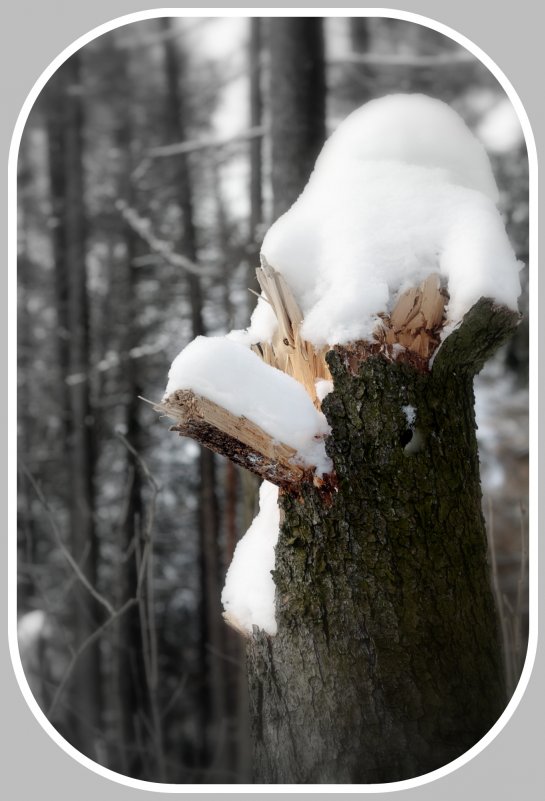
(237, 438)
(485, 327)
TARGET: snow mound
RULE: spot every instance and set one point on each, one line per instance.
(248, 595)
(234, 377)
(401, 189)
(412, 129)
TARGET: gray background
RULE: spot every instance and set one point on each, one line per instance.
(33, 765)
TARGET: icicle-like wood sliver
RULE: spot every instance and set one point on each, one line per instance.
(414, 324)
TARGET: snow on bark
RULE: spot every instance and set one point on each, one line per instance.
(402, 189)
(248, 595)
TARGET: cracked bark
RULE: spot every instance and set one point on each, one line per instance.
(387, 663)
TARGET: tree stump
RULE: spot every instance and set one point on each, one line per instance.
(387, 663)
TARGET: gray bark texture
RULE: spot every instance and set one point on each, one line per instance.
(387, 663)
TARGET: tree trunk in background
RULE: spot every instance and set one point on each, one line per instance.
(359, 34)
(256, 154)
(133, 691)
(55, 97)
(67, 186)
(27, 585)
(387, 663)
(360, 41)
(212, 626)
(297, 104)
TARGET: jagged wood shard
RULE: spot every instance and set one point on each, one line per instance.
(417, 318)
(237, 438)
(288, 351)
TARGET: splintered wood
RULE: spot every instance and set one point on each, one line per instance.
(416, 319)
(238, 438)
(288, 351)
(414, 324)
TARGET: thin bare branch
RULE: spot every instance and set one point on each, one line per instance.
(83, 647)
(407, 60)
(206, 142)
(146, 611)
(62, 547)
(142, 227)
(141, 463)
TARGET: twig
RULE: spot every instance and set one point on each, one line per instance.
(259, 295)
(115, 614)
(141, 463)
(170, 703)
(405, 60)
(83, 647)
(203, 143)
(142, 227)
(146, 609)
(147, 400)
(64, 550)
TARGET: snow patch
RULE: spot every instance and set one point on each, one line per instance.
(401, 189)
(248, 595)
(233, 376)
(410, 414)
(323, 388)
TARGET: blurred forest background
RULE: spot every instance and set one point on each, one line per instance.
(149, 169)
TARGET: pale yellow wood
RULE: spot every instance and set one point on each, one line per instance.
(288, 351)
(416, 318)
(235, 437)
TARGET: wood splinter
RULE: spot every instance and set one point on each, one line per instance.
(237, 438)
(414, 323)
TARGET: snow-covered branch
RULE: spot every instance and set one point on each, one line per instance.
(226, 397)
(235, 437)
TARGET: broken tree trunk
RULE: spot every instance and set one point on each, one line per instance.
(387, 663)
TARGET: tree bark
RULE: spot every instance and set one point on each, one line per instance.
(297, 104)
(387, 662)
